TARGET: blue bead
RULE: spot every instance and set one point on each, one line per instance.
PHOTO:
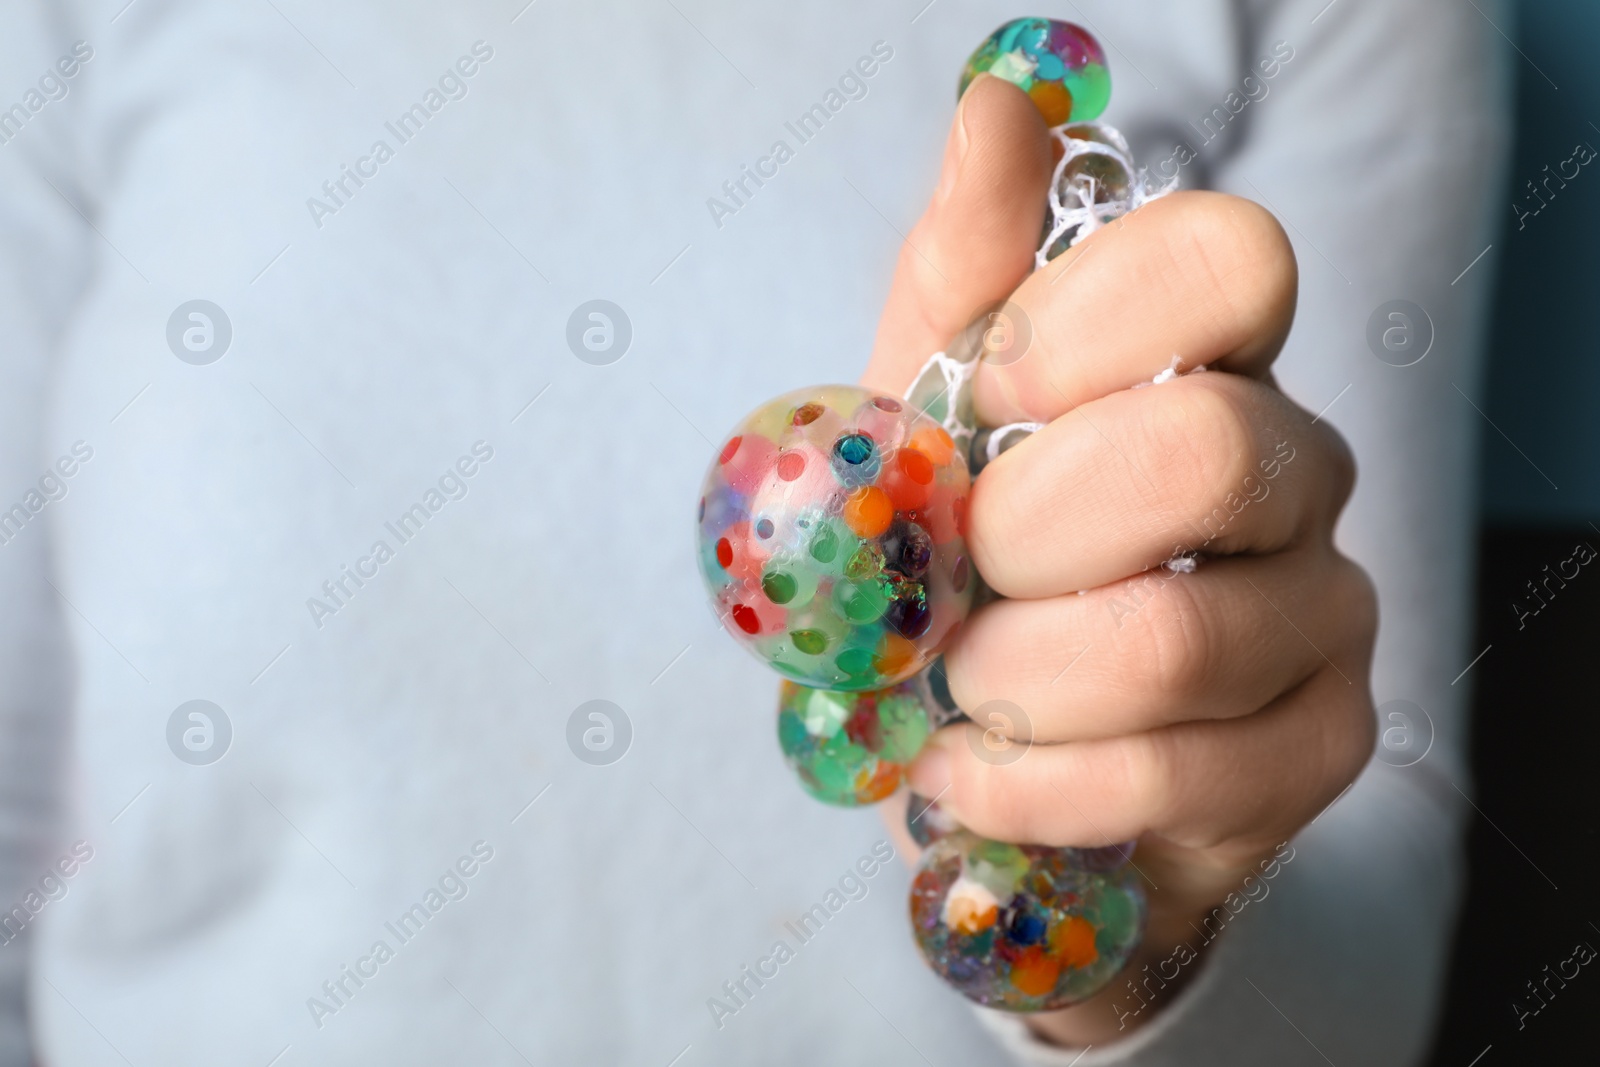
(1026, 929)
(856, 460)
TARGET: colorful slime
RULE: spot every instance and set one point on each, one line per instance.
(851, 748)
(831, 537)
(1025, 927)
(832, 541)
(1059, 65)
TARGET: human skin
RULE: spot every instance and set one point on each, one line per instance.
(1209, 715)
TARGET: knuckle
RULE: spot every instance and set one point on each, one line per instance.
(1242, 252)
(1256, 233)
(1205, 446)
(1341, 469)
(1351, 732)
(1141, 769)
(1174, 650)
(1357, 600)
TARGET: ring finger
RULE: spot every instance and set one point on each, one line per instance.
(1163, 647)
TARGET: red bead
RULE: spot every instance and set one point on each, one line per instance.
(917, 467)
(907, 478)
(791, 465)
(864, 727)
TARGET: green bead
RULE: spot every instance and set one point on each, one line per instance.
(1119, 915)
(825, 545)
(905, 727)
(779, 587)
(855, 662)
(811, 642)
(861, 602)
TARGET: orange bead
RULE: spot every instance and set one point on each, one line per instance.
(969, 917)
(886, 778)
(1034, 973)
(895, 655)
(868, 511)
(1072, 941)
(934, 443)
(1053, 101)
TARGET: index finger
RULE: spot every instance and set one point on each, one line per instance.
(1204, 277)
(976, 240)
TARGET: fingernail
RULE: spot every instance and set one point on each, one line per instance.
(956, 149)
(930, 774)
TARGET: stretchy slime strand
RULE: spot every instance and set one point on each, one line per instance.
(832, 540)
(1059, 65)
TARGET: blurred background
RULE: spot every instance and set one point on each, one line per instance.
(414, 333)
(1535, 865)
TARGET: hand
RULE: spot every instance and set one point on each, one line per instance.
(1210, 714)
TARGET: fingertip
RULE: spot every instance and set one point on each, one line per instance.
(1004, 153)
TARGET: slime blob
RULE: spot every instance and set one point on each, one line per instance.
(1059, 65)
(851, 748)
(832, 540)
(1025, 927)
(831, 537)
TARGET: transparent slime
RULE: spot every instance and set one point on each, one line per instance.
(831, 536)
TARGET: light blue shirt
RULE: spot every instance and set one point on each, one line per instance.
(394, 318)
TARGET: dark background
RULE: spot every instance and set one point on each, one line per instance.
(1536, 737)
(1535, 731)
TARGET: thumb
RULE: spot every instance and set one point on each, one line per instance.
(976, 241)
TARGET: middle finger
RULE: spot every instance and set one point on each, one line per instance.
(1209, 463)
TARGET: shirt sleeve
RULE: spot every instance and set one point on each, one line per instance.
(44, 266)
(1378, 142)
